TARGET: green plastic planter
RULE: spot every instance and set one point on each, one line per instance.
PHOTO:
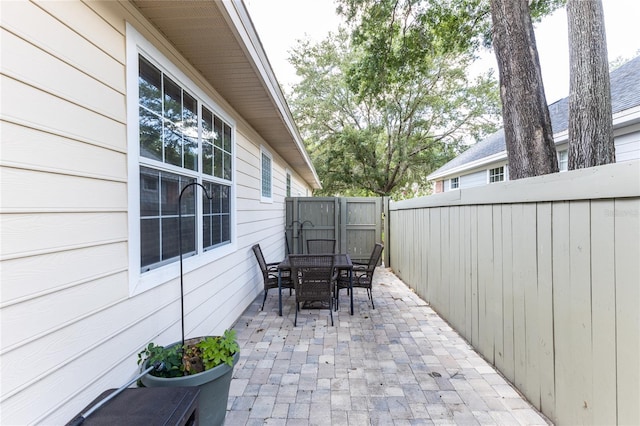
(214, 390)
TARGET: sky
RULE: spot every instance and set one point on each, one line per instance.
(280, 23)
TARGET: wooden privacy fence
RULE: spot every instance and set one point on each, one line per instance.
(542, 277)
(355, 223)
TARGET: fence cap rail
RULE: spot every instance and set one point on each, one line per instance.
(620, 180)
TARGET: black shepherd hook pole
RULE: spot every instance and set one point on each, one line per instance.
(206, 193)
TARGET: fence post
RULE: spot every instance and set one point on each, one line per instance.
(386, 232)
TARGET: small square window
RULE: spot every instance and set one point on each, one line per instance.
(496, 175)
(563, 160)
(455, 183)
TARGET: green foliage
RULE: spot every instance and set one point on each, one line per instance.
(205, 354)
(219, 349)
(170, 356)
(374, 142)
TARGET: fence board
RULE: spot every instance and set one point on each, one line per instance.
(496, 299)
(603, 308)
(561, 315)
(507, 294)
(473, 240)
(466, 252)
(580, 311)
(549, 285)
(627, 270)
(545, 308)
(485, 279)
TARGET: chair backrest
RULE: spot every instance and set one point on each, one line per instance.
(312, 275)
(375, 257)
(260, 257)
(321, 246)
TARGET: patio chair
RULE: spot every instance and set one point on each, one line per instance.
(313, 278)
(270, 274)
(362, 275)
(321, 246)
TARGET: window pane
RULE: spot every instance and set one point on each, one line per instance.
(169, 238)
(217, 162)
(226, 228)
(188, 234)
(149, 242)
(217, 129)
(149, 192)
(149, 86)
(190, 124)
(150, 135)
(266, 176)
(206, 231)
(172, 144)
(227, 138)
(227, 166)
(172, 100)
(170, 192)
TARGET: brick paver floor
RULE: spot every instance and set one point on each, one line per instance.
(397, 364)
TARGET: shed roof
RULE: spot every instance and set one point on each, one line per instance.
(625, 94)
(220, 41)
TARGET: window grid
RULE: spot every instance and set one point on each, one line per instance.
(496, 175)
(455, 183)
(266, 175)
(177, 133)
(563, 160)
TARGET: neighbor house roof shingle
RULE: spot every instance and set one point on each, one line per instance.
(625, 94)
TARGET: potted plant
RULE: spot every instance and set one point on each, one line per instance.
(205, 362)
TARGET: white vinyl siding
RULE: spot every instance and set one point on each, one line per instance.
(628, 147)
(69, 219)
(473, 179)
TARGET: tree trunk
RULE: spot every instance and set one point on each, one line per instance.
(527, 126)
(590, 122)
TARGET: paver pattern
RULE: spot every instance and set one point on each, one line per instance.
(397, 364)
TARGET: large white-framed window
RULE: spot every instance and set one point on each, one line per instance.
(266, 173)
(496, 174)
(176, 135)
(563, 160)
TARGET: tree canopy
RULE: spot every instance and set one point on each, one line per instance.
(379, 126)
(396, 36)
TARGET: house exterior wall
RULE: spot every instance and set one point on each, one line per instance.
(541, 276)
(71, 324)
(627, 145)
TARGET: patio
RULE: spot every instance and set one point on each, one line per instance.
(398, 364)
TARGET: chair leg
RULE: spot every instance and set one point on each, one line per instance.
(264, 299)
(295, 320)
(331, 313)
(370, 291)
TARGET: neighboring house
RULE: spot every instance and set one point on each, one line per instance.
(108, 109)
(486, 161)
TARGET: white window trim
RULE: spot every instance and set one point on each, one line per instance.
(566, 152)
(289, 175)
(504, 174)
(264, 151)
(451, 188)
(140, 282)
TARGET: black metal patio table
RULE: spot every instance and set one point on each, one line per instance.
(342, 262)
